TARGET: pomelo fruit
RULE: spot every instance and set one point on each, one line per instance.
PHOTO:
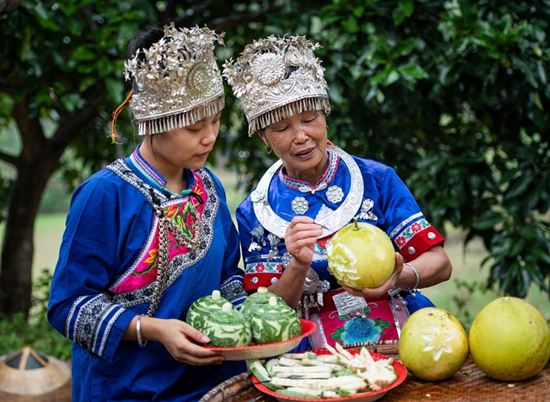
(274, 322)
(258, 300)
(227, 327)
(433, 344)
(360, 255)
(201, 308)
(510, 339)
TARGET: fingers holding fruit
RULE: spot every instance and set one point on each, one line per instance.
(393, 281)
(184, 343)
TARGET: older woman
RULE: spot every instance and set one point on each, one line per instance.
(314, 190)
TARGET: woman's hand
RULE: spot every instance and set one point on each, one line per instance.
(433, 267)
(180, 339)
(300, 238)
(391, 283)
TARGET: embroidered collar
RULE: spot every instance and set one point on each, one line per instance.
(304, 186)
(332, 222)
(152, 176)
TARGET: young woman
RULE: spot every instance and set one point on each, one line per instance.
(314, 190)
(150, 234)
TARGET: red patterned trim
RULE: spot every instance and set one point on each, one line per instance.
(255, 280)
(420, 243)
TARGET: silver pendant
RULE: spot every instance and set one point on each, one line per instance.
(335, 194)
(366, 211)
(300, 205)
(347, 303)
(312, 190)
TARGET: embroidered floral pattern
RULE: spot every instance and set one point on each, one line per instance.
(359, 330)
(135, 285)
(264, 267)
(407, 234)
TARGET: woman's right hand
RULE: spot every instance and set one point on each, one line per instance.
(300, 238)
(180, 339)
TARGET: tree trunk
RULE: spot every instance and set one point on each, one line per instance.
(18, 247)
(38, 160)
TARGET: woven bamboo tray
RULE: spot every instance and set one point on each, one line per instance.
(469, 384)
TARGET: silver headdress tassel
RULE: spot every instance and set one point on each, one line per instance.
(276, 78)
(177, 80)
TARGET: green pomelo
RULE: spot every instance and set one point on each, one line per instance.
(274, 322)
(361, 256)
(510, 340)
(258, 300)
(228, 328)
(433, 344)
(202, 307)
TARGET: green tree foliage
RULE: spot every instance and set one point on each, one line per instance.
(60, 66)
(454, 94)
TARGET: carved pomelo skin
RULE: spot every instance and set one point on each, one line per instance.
(201, 308)
(360, 255)
(227, 328)
(510, 340)
(274, 322)
(433, 344)
(257, 300)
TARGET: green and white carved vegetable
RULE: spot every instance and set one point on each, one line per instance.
(201, 308)
(336, 375)
(274, 322)
(227, 328)
(258, 300)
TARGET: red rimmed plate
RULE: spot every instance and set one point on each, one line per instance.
(361, 397)
(254, 352)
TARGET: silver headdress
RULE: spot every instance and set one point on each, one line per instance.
(178, 81)
(276, 78)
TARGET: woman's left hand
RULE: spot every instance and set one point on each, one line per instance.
(385, 287)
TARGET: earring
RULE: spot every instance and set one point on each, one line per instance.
(327, 128)
(268, 149)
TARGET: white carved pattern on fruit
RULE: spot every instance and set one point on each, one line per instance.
(438, 342)
(343, 263)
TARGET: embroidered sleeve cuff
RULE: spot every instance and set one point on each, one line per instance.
(420, 243)
(233, 290)
(253, 281)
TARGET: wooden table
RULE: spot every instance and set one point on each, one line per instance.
(469, 384)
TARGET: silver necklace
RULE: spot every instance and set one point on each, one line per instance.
(331, 223)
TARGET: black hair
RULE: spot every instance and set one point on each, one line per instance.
(143, 40)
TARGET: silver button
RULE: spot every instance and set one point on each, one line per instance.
(411, 250)
(254, 280)
(431, 235)
(274, 280)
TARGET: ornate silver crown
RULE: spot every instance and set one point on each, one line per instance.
(178, 81)
(276, 78)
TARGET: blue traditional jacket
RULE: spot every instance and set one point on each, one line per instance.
(106, 273)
